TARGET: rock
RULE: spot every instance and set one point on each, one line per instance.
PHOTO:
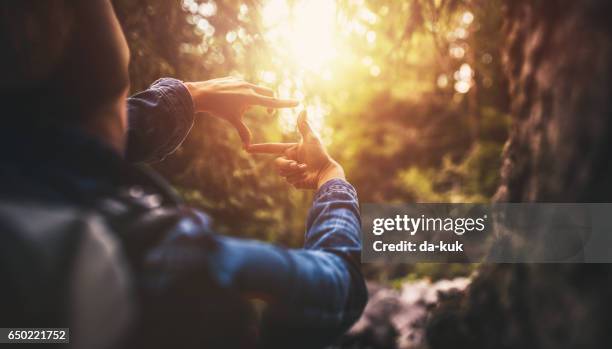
(396, 318)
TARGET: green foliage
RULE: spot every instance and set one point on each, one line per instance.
(413, 104)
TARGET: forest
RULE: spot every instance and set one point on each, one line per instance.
(457, 101)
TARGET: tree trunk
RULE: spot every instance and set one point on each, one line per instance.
(558, 58)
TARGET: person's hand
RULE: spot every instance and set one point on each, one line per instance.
(305, 165)
(228, 98)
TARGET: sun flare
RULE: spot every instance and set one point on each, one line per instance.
(304, 37)
(304, 32)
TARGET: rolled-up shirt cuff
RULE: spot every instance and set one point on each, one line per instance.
(160, 119)
(178, 100)
(334, 186)
(176, 95)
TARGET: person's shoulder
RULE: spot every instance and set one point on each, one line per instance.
(52, 233)
(37, 218)
(72, 255)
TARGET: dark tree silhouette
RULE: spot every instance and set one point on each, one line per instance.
(558, 59)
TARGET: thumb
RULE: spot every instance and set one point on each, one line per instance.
(304, 127)
(243, 131)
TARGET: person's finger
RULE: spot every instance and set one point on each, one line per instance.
(270, 148)
(293, 170)
(243, 131)
(261, 90)
(291, 153)
(284, 165)
(288, 165)
(304, 127)
(273, 102)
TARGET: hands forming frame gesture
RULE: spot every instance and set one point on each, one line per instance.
(305, 164)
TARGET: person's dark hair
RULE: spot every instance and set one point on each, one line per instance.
(61, 59)
(34, 35)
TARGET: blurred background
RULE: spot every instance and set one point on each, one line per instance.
(414, 98)
(409, 96)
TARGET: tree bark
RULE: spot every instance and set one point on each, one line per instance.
(558, 60)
